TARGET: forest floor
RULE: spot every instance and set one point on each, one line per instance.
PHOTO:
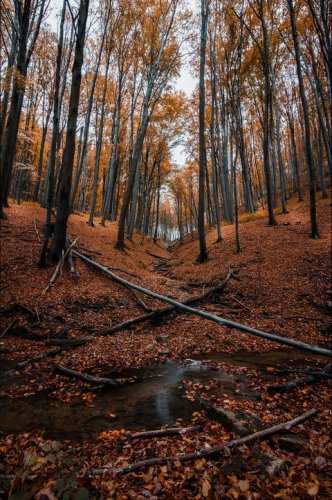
(283, 287)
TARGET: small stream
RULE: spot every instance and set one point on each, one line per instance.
(155, 400)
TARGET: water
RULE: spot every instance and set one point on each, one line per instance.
(157, 399)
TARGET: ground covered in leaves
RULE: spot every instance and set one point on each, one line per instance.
(283, 287)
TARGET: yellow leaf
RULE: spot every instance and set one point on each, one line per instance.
(243, 486)
(313, 489)
(206, 488)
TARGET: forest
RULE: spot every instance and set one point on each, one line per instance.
(165, 211)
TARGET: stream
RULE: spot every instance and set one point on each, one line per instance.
(155, 400)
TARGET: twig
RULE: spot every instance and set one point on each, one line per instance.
(36, 229)
(240, 303)
(162, 432)
(141, 301)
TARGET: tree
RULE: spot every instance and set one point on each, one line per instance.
(203, 255)
(308, 149)
(60, 230)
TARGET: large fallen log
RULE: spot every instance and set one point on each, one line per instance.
(300, 382)
(208, 452)
(212, 317)
(157, 313)
(93, 379)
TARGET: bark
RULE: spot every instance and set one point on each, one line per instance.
(60, 232)
(19, 84)
(308, 150)
(49, 185)
(203, 255)
(212, 451)
(99, 144)
(267, 106)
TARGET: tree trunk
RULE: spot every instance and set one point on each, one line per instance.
(203, 255)
(60, 232)
(308, 151)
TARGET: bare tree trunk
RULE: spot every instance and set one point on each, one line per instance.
(308, 151)
(60, 232)
(203, 255)
(55, 134)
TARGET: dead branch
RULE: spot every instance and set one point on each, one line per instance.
(157, 256)
(86, 377)
(300, 382)
(208, 452)
(19, 366)
(36, 229)
(162, 432)
(212, 317)
(141, 301)
(48, 354)
(157, 313)
(59, 266)
(6, 330)
(71, 263)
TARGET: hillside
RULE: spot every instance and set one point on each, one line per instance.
(283, 287)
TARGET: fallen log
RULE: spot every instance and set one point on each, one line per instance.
(162, 432)
(212, 317)
(164, 310)
(86, 377)
(208, 452)
(300, 382)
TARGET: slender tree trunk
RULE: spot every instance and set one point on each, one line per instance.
(55, 134)
(308, 151)
(60, 232)
(19, 84)
(203, 255)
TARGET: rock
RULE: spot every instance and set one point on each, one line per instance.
(298, 222)
(291, 442)
(166, 352)
(162, 338)
(231, 422)
(276, 466)
(286, 223)
(326, 328)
